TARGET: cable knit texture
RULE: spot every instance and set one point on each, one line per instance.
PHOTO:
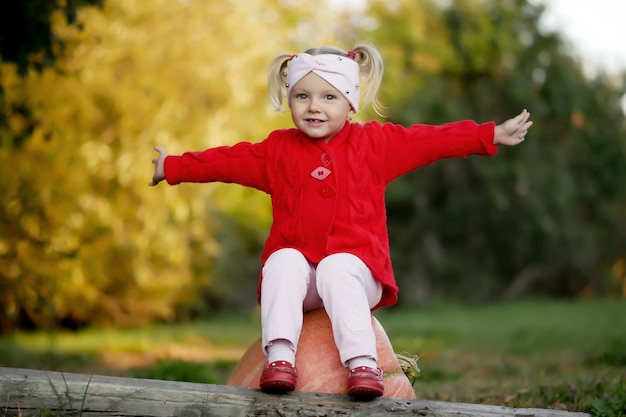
(344, 211)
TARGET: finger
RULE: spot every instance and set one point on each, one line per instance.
(528, 125)
(517, 121)
(523, 117)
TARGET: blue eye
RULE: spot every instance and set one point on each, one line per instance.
(330, 97)
(301, 96)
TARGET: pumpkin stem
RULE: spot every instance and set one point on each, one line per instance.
(408, 364)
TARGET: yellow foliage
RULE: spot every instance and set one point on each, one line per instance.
(87, 237)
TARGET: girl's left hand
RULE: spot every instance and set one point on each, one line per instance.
(513, 131)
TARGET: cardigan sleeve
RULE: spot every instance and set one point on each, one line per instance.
(409, 148)
(243, 163)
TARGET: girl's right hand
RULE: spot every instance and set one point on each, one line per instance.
(159, 170)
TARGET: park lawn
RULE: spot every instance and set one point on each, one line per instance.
(546, 353)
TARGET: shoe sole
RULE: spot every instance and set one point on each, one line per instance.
(277, 387)
(365, 393)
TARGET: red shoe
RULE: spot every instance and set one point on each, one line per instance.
(278, 377)
(365, 383)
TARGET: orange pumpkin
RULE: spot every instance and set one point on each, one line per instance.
(318, 363)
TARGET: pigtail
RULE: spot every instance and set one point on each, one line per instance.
(276, 81)
(371, 63)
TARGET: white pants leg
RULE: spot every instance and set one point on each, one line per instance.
(342, 283)
(287, 277)
(349, 292)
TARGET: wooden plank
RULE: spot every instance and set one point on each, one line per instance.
(25, 390)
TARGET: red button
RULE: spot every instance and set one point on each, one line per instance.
(320, 173)
(327, 191)
(326, 161)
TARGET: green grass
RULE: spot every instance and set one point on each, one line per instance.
(545, 354)
(126, 352)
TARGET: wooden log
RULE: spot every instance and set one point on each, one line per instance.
(25, 391)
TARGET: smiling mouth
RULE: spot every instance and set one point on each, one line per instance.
(314, 120)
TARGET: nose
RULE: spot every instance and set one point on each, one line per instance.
(313, 105)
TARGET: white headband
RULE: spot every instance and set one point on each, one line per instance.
(340, 72)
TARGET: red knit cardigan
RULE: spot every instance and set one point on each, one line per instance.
(330, 197)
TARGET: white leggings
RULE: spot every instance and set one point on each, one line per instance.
(341, 283)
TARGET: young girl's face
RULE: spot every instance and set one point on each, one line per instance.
(318, 109)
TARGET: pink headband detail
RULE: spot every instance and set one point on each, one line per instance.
(340, 72)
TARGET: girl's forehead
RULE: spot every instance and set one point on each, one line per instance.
(312, 81)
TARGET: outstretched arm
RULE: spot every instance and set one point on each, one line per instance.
(159, 170)
(513, 131)
(243, 163)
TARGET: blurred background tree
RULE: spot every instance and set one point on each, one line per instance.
(544, 218)
(85, 241)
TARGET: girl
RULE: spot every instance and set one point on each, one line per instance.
(328, 244)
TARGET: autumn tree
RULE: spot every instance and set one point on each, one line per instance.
(83, 239)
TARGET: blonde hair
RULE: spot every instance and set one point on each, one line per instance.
(371, 73)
